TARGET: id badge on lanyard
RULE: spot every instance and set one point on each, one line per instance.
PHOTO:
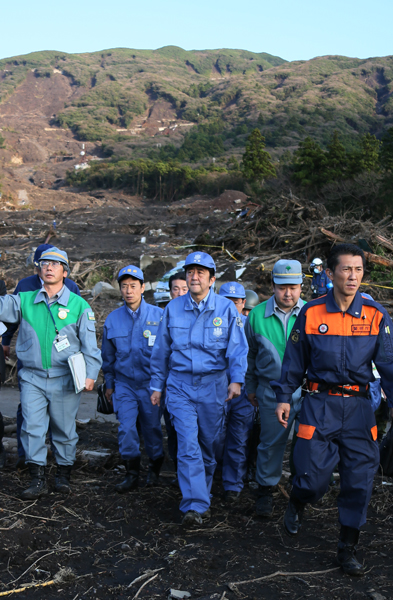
(61, 343)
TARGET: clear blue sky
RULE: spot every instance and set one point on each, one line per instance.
(291, 29)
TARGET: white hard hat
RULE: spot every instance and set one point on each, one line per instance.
(316, 262)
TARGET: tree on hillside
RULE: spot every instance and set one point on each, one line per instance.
(257, 163)
(310, 164)
(386, 154)
(337, 159)
(367, 158)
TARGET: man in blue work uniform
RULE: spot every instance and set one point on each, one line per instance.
(239, 419)
(335, 339)
(129, 336)
(200, 337)
(55, 324)
(29, 284)
(267, 330)
(320, 283)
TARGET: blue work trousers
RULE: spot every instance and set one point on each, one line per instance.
(336, 430)
(47, 401)
(131, 403)
(196, 406)
(273, 437)
(233, 446)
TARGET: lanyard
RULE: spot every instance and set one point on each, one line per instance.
(52, 317)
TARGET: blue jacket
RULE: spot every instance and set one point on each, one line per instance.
(338, 348)
(202, 344)
(126, 349)
(319, 283)
(31, 284)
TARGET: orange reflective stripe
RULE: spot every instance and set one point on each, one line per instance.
(305, 431)
(374, 432)
(336, 324)
(312, 386)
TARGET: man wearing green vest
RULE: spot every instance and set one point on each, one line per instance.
(267, 329)
(55, 324)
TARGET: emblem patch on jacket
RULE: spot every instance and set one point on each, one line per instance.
(146, 333)
(295, 336)
(217, 321)
(239, 322)
(323, 328)
(90, 316)
(217, 332)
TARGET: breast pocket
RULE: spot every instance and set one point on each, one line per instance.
(216, 335)
(121, 341)
(180, 333)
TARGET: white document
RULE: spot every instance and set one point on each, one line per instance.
(78, 370)
(3, 328)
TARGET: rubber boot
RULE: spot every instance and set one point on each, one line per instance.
(38, 485)
(62, 479)
(293, 516)
(154, 471)
(131, 479)
(346, 552)
(175, 481)
(264, 503)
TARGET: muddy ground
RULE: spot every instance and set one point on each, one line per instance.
(101, 542)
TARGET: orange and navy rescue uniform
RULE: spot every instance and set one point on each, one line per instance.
(336, 348)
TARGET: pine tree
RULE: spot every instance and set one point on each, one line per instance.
(257, 163)
(310, 163)
(386, 154)
(337, 159)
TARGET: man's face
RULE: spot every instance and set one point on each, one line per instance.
(246, 312)
(199, 281)
(348, 274)
(52, 271)
(131, 290)
(239, 303)
(178, 288)
(318, 268)
(287, 295)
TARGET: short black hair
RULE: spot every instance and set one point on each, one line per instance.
(211, 271)
(341, 250)
(131, 277)
(180, 275)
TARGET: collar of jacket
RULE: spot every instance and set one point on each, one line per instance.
(355, 310)
(63, 300)
(210, 301)
(142, 309)
(269, 311)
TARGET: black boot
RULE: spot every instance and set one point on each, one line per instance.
(62, 479)
(154, 471)
(132, 475)
(264, 504)
(3, 456)
(293, 516)
(38, 485)
(346, 551)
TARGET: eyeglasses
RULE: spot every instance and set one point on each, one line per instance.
(52, 263)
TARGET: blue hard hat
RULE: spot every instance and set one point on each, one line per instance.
(54, 253)
(233, 289)
(130, 271)
(39, 251)
(200, 258)
(287, 272)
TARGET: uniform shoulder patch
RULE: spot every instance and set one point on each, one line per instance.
(295, 335)
(90, 316)
(239, 322)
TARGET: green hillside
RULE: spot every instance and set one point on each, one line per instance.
(225, 92)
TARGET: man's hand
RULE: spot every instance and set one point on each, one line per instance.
(89, 384)
(6, 350)
(156, 398)
(252, 398)
(108, 395)
(234, 391)
(282, 413)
